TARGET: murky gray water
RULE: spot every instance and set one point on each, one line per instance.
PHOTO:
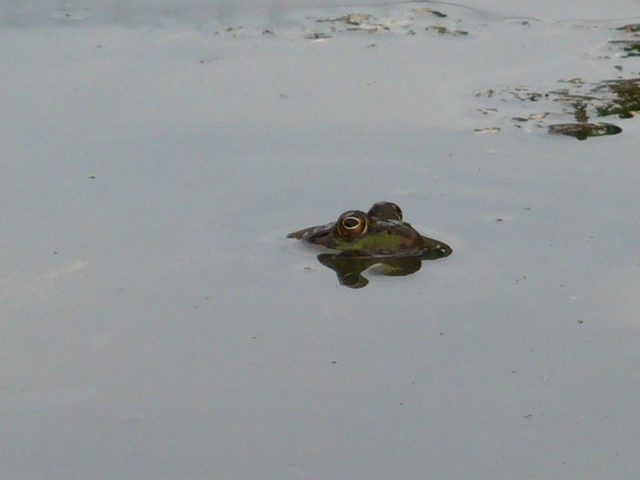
(155, 322)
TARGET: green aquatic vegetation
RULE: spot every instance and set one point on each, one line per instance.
(580, 112)
(581, 100)
(630, 47)
(623, 98)
(604, 99)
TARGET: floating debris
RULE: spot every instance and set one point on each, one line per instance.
(359, 22)
(631, 28)
(576, 97)
(66, 16)
(435, 13)
(582, 131)
(581, 100)
(444, 30)
(317, 36)
(356, 18)
(368, 28)
(573, 80)
(630, 47)
(351, 19)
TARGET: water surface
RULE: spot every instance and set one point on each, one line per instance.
(157, 324)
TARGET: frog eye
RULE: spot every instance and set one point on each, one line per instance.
(397, 210)
(353, 225)
(386, 211)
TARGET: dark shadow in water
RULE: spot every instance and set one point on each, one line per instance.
(349, 267)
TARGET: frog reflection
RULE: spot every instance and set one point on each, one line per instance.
(379, 237)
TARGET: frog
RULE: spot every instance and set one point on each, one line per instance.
(380, 232)
(378, 240)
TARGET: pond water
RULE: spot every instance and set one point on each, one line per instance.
(157, 324)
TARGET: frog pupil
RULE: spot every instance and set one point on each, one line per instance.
(351, 223)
